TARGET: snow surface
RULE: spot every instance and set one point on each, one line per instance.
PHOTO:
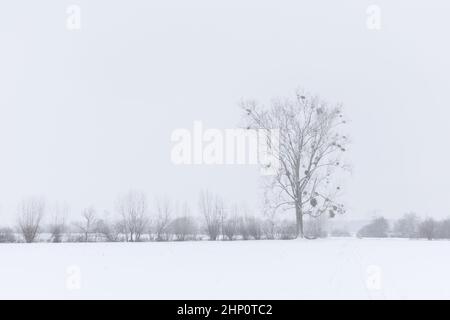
(319, 269)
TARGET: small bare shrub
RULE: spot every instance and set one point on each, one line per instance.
(315, 228)
(7, 235)
(243, 230)
(428, 229)
(254, 227)
(231, 228)
(110, 231)
(377, 228)
(269, 229)
(407, 226)
(443, 229)
(183, 228)
(88, 224)
(287, 230)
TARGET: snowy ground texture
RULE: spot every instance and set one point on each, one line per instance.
(319, 269)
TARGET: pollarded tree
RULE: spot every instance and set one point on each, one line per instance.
(212, 209)
(164, 211)
(31, 212)
(230, 227)
(58, 225)
(133, 208)
(307, 153)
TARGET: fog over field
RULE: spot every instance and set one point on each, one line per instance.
(88, 114)
(259, 149)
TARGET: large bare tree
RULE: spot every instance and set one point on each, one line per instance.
(308, 151)
(31, 212)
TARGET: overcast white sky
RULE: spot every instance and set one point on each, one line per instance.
(86, 115)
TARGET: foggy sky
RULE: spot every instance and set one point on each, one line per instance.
(87, 115)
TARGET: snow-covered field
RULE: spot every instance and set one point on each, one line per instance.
(331, 268)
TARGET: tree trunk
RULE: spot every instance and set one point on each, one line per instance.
(299, 218)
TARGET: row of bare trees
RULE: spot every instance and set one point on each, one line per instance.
(135, 221)
(305, 143)
(409, 226)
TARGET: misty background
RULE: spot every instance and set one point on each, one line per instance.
(87, 115)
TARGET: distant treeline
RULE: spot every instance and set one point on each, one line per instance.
(409, 226)
(135, 221)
